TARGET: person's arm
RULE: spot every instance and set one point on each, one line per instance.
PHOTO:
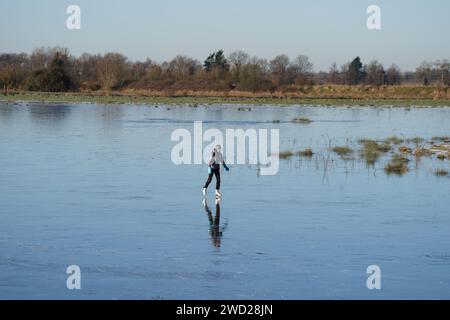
(225, 165)
(211, 160)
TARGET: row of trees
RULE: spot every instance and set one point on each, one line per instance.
(55, 70)
(374, 73)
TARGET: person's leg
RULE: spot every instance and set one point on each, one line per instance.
(208, 181)
(217, 173)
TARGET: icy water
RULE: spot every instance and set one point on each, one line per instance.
(94, 186)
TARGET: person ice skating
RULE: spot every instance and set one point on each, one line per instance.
(214, 169)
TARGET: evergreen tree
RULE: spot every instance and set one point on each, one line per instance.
(216, 60)
(355, 73)
(58, 76)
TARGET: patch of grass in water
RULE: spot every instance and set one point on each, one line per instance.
(421, 152)
(441, 138)
(416, 140)
(397, 165)
(372, 150)
(343, 151)
(393, 140)
(285, 154)
(308, 153)
(302, 120)
(441, 173)
(405, 149)
(400, 158)
(304, 153)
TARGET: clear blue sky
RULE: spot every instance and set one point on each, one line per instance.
(325, 30)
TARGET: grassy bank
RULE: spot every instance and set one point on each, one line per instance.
(193, 98)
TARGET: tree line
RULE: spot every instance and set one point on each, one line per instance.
(56, 70)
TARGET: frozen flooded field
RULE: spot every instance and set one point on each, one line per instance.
(94, 186)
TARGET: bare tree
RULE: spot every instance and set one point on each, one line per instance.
(237, 60)
(139, 69)
(112, 70)
(424, 73)
(253, 76)
(13, 70)
(344, 72)
(182, 67)
(279, 69)
(302, 69)
(334, 74)
(154, 72)
(443, 70)
(302, 65)
(85, 69)
(375, 74)
(6, 75)
(393, 75)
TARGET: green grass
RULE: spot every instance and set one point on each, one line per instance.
(116, 98)
(372, 150)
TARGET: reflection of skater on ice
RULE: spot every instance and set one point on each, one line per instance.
(215, 231)
(214, 169)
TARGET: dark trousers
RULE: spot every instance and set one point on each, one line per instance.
(216, 172)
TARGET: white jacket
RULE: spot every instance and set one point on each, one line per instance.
(216, 157)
